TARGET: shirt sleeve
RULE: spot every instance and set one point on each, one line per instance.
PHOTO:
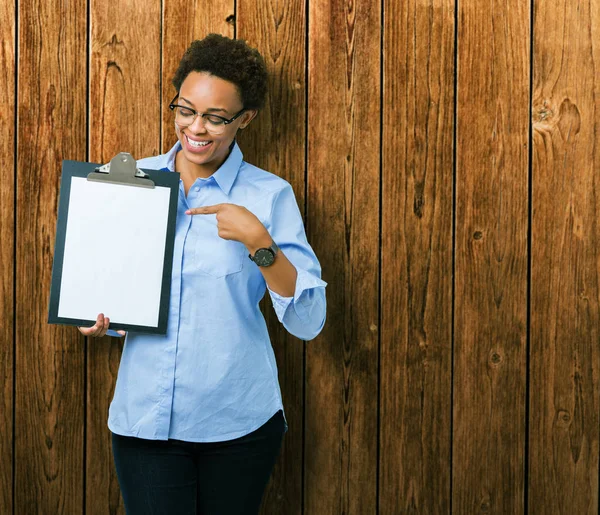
(303, 315)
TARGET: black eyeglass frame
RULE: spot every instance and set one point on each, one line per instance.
(196, 113)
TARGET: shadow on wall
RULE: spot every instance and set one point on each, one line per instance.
(274, 140)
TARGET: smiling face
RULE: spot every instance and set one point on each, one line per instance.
(202, 151)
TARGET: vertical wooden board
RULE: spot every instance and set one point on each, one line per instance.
(124, 116)
(125, 76)
(563, 466)
(49, 359)
(491, 257)
(416, 256)
(275, 141)
(183, 22)
(343, 224)
(7, 266)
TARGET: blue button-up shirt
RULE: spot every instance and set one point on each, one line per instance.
(213, 376)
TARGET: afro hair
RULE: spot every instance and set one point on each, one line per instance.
(229, 59)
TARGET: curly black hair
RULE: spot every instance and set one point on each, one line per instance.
(229, 59)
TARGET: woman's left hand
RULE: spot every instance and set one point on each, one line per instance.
(237, 223)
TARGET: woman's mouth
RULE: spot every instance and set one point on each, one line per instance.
(197, 146)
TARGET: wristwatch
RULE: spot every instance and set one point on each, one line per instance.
(265, 256)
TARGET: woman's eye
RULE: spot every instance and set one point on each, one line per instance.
(185, 112)
(215, 120)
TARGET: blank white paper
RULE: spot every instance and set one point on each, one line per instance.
(114, 252)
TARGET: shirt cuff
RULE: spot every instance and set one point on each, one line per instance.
(304, 281)
(113, 333)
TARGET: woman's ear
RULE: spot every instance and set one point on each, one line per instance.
(247, 117)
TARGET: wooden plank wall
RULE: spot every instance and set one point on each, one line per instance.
(490, 330)
(445, 156)
(416, 257)
(7, 268)
(565, 255)
(278, 142)
(343, 221)
(124, 99)
(49, 378)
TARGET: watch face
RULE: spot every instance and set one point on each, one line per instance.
(263, 257)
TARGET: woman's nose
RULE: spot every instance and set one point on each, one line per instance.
(198, 126)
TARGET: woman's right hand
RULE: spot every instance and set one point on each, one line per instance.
(99, 328)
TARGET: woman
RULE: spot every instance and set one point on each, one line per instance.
(197, 418)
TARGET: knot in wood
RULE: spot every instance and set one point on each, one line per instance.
(418, 205)
(564, 417)
(485, 503)
(495, 358)
(569, 120)
(114, 41)
(477, 235)
(543, 113)
(419, 198)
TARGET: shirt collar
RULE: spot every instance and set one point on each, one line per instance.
(226, 174)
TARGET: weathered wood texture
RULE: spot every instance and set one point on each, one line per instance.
(183, 22)
(49, 359)
(7, 258)
(416, 258)
(413, 399)
(343, 224)
(565, 257)
(124, 114)
(276, 142)
(491, 257)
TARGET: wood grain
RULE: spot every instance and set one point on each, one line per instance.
(343, 224)
(7, 258)
(491, 257)
(416, 258)
(49, 359)
(124, 116)
(185, 21)
(276, 142)
(333, 468)
(565, 259)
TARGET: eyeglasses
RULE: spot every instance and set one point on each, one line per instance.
(215, 124)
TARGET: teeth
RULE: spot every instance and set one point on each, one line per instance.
(198, 143)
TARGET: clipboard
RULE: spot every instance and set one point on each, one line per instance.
(115, 235)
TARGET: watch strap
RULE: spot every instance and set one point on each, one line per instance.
(273, 248)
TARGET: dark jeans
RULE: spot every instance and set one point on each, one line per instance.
(173, 477)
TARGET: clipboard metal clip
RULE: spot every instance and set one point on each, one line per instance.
(122, 169)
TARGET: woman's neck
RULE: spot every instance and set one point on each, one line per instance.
(193, 170)
(189, 172)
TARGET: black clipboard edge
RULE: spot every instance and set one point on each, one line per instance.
(80, 169)
(165, 296)
(59, 242)
(113, 326)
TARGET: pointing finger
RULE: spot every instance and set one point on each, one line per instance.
(205, 210)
